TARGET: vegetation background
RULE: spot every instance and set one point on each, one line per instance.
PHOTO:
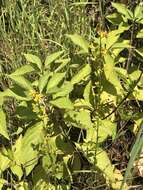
(39, 27)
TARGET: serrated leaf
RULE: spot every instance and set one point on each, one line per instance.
(3, 125)
(122, 8)
(80, 41)
(55, 80)
(84, 72)
(63, 103)
(52, 57)
(34, 59)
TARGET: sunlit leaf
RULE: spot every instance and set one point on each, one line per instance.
(122, 8)
(138, 12)
(23, 70)
(84, 72)
(5, 161)
(140, 34)
(3, 125)
(110, 73)
(80, 41)
(63, 103)
(22, 81)
(34, 59)
(80, 119)
(23, 150)
(52, 57)
(43, 80)
(55, 80)
(64, 90)
(104, 164)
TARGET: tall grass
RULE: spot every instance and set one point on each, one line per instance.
(38, 27)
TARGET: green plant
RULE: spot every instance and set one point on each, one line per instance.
(80, 90)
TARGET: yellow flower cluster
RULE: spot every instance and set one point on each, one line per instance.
(37, 97)
(103, 34)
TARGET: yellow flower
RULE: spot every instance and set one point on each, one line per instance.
(33, 93)
(103, 34)
(38, 97)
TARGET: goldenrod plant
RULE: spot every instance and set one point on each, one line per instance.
(72, 106)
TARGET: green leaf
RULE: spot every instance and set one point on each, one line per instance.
(138, 12)
(88, 95)
(23, 70)
(110, 73)
(80, 119)
(17, 170)
(22, 81)
(4, 160)
(75, 163)
(104, 164)
(114, 35)
(82, 104)
(63, 62)
(52, 57)
(64, 90)
(83, 119)
(2, 182)
(140, 34)
(23, 150)
(122, 8)
(16, 92)
(63, 103)
(84, 72)
(55, 80)
(63, 145)
(34, 59)
(26, 112)
(115, 18)
(139, 51)
(44, 80)
(3, 125)
(104, 129)
(80, 41)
